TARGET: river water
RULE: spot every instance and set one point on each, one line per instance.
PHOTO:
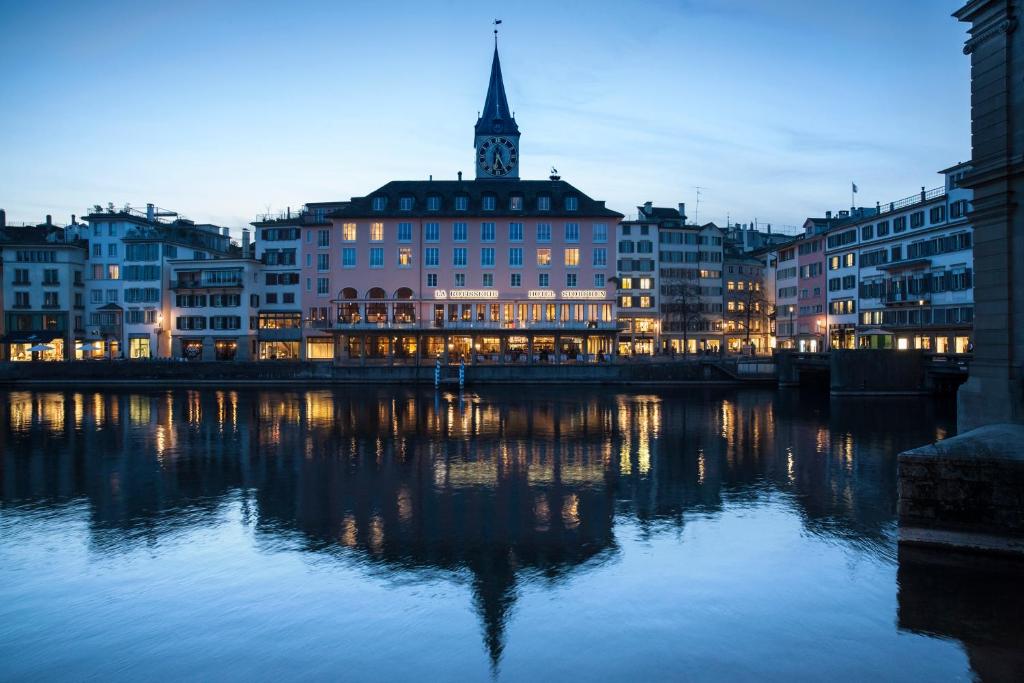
(510, 534)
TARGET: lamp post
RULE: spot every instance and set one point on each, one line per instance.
(792, 330)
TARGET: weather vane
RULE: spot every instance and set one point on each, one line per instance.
(496, 22)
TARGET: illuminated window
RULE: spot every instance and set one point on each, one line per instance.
(731, 285)
(627, 302)
(404, 257)
(645, 302)
(645, 283)
(627, 283)
(572, 257)
(376, 232)
(544, 257)
(113, 272)
(348, 232)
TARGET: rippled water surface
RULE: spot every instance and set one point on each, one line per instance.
(363, 534)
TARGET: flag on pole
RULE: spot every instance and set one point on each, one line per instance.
(854, 187)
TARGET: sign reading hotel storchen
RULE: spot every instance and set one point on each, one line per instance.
(583, 294)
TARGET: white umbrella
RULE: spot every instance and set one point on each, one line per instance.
(40, 347)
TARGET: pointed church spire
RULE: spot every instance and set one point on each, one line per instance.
(496, 118)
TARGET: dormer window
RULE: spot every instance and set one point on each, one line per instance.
(433, 203)
(461, 203)
(543, 203)
(515, 203)
(405, 204)
(572, 203)
(379, 203)
(489, 203)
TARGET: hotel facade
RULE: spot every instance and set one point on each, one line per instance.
(493, 268)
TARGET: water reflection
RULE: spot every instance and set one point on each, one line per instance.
(500, 489)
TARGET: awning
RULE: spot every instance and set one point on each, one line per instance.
(875, 331)
(30, 337)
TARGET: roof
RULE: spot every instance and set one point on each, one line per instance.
(496, 118)
(475, 190)
(42, 235)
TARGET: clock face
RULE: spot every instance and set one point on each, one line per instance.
(497, 156)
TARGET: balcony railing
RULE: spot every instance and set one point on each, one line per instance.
(206, 284)
(907, 298)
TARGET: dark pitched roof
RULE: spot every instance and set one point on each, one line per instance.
(657, 212)
(496, 118)
(475, 190)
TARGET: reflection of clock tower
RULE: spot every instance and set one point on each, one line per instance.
(496, 138)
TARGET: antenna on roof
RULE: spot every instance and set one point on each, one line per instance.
(696, 208)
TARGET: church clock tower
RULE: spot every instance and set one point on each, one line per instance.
(496, 138)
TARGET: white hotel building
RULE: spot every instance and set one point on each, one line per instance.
(901, 276)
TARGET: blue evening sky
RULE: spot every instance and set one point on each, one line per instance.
(222, 109)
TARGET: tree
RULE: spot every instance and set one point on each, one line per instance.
(755, 314)
(682, 306)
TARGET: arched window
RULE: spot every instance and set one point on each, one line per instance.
(376, 309)
(405, 310)
(348, 309)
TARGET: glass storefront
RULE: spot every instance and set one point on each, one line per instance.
(192, 349)
(225, 349)
(320, 348)
(279, 350)
(138, 348)
(28, 351)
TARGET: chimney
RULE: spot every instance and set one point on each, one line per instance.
(49, 219)
(922, 194)
(769, 228)
(460, 175)
(245, 242)
(682, 211)
(3, 218)
(430, 177)
(73, 221)
(828, 215)
(150, 213)
(289, 212)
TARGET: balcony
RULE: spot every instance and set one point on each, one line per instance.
(233, 283)
(906, 298)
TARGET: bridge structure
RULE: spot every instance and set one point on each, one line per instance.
(874, 371)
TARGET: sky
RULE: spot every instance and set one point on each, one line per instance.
(224, 110)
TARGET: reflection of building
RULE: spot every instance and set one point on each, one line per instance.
(496, 266)
(43, 291)
(404, 483)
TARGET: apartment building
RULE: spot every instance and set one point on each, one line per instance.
(747, 305)
(128, 304)
(911, 263)
(215, 308)
(43, 308)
